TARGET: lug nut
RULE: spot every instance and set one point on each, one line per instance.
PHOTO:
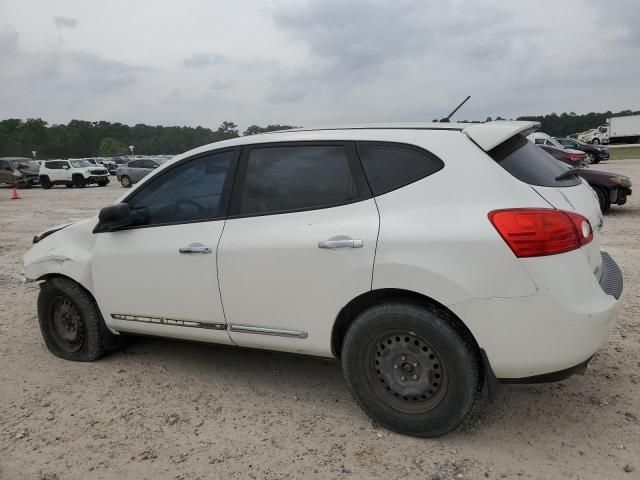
(415, 377)
(415, 364)
(395, 366)
(403, 358)
(402, 378)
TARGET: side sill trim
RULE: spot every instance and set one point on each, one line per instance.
(278, 332)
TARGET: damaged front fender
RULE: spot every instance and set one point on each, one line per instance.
(66, 252)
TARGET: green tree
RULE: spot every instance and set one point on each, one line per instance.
(110, 147)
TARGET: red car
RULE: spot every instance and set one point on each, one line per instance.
(572, 157)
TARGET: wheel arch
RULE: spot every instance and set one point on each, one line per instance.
(374, 297)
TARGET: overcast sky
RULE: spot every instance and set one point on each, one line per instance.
(199, 62)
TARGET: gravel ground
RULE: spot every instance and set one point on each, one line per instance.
(177, 410)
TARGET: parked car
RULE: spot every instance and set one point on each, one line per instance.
(72, 173)
(573, 157)
(136, 170)
(555, 149)
(110, 165)
(21, 172)
(611, 188)
(347, 243)
(592, 153)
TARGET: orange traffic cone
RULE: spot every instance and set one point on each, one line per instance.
(15, 195)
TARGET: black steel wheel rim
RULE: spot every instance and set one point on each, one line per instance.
(406, 372)
(67, 327)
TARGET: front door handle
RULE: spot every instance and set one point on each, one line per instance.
(195, 248)
(350, 243)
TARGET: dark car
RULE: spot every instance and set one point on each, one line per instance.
(611, 188)
(572, 157)
(593, 153)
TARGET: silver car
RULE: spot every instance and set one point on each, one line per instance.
(135, 170)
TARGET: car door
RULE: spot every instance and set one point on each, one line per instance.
(160, 275)
(134, 170)
(56, 170)
(298, 245)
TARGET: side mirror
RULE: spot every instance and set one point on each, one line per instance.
(66, 167)
(114, 217)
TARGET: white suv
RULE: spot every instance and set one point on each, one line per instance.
(72, 173)
(430, 259)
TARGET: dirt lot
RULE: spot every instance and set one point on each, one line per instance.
(168, 409)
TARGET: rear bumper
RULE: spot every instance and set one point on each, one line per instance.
(554, 332)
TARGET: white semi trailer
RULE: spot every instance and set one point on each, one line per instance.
(617, 130)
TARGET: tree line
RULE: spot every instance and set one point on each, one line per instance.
(80, 138)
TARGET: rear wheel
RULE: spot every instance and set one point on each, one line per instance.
(596, 141)
(411, 369)
(125, 181)
(589, 157)
(102, 183)
(603, 200)
(70, 323)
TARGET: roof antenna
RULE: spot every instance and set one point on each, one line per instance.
(446, 119)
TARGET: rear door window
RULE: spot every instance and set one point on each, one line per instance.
(288, 178)
(389, 166)
(531, 164)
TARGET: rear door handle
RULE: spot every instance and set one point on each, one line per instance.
(350, 243)
(195, 248)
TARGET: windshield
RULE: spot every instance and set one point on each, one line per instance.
(81, 163)
(555, 143)
(21, 164)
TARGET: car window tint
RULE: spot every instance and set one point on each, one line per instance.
(390, 166)
(531, 164)
(189, 192)
(149, 164)
(135, 164)
(4, 165)
(288, 178)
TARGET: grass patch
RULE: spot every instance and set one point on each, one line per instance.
(623, 153)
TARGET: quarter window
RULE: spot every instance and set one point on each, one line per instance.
(4, 165)
(189, 192)
(389, 166)
(135, 164)
(300, 177)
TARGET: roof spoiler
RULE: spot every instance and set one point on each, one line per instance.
(491, 134)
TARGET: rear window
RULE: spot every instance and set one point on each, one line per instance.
(389, 166)
(531, 164)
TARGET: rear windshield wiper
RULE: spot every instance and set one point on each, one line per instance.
(572, 172)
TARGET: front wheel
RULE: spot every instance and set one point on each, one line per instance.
(589, 157)
(411, 369)
(79, 182)
(596, 141)
(45, 183)
(70, 322)
(125, 181)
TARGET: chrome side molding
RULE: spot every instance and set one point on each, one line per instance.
(169, 321)
(278, 332)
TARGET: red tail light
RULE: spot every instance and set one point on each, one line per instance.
(531, 232)
(575, 157)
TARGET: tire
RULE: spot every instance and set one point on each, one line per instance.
(103, 183)
(70, 322)
(603, 200)
(390, 345)
(68, 185)
(589, 157)
(21, 185)
(45, 183)
(79, 182)
(596, 141)
(125, 181)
